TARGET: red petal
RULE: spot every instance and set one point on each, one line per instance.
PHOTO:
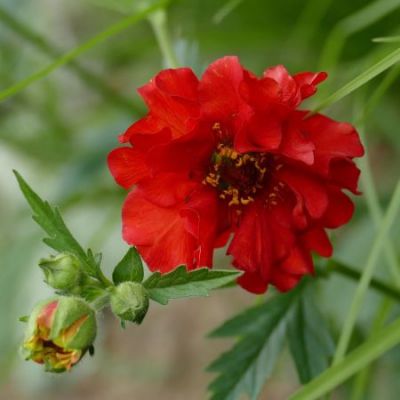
(147, 126)
(201, 221)
(307, 82)
(317, 240)
(340, 209)
(251, 245)
(332, 140)
(127, 166)
(307, 188)
(289, 92)
(253, 282)
(166, 189)
(345, 173)
(172, 110)
(158, 232)
(180, 82)
(219, 89)
(295, 145)
(262, 133)
(259, 93)
(183, 154)
(298, 262)
(284, 281)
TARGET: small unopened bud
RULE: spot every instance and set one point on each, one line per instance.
(129, 301)
(62, 272)
(60, 331)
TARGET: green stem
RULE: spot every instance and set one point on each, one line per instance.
(158, 21)
(88, 77)
(359, 81)
(366, 276)
(348, 272)
(358, 359)
(362, 380)
(76, 52)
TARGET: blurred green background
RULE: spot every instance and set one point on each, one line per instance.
(58, 131)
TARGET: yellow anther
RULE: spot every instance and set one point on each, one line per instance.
(246, 201)
(216, 127)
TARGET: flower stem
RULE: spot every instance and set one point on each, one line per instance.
(358, 359)
(77, 51)
(366, 276)
(348, 272)
(158, 21)
(88, 77)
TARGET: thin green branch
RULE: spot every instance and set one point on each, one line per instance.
(158, 21)
(375, 210)
(360, 80)
(76, 52)
(358, 359)
(350, 25)
(88, 77)
(366, 276)
(342, 269)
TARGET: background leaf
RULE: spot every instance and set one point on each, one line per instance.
(130, 268)
(245, 368)
(310, 340)
(182, 283)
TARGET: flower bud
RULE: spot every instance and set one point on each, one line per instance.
(60, 331)
(129, 301)
(62, 272)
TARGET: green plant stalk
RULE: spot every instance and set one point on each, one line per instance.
(358, 359)
(77, 51)
(378, 93)
(158, 22)
(376, 211)
(363, 378)
(225, 10)
(88, 77)
(366, 276)
(359, 81)
(354, 275)
(350, 25)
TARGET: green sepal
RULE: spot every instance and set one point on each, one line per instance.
(129, 269)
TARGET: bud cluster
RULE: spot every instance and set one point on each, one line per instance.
(63, 328)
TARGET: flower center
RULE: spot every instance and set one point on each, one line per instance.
(237, 176)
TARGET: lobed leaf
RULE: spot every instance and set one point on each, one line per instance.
(310, 341)
(183, 283)
(245, 368)
(60, 238)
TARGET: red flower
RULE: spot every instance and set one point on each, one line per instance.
(230, 156)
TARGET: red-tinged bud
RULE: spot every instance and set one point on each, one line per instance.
(60, 331)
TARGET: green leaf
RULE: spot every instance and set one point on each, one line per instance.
(358, 359)
(182, 283)
(130, 268)
(310, 340)
(60, 238)
(360, 80)
(261, 331)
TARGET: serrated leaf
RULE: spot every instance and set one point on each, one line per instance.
(60, 238)
(310, 340)
(130, 268)
(183, 283)
(245, 368)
